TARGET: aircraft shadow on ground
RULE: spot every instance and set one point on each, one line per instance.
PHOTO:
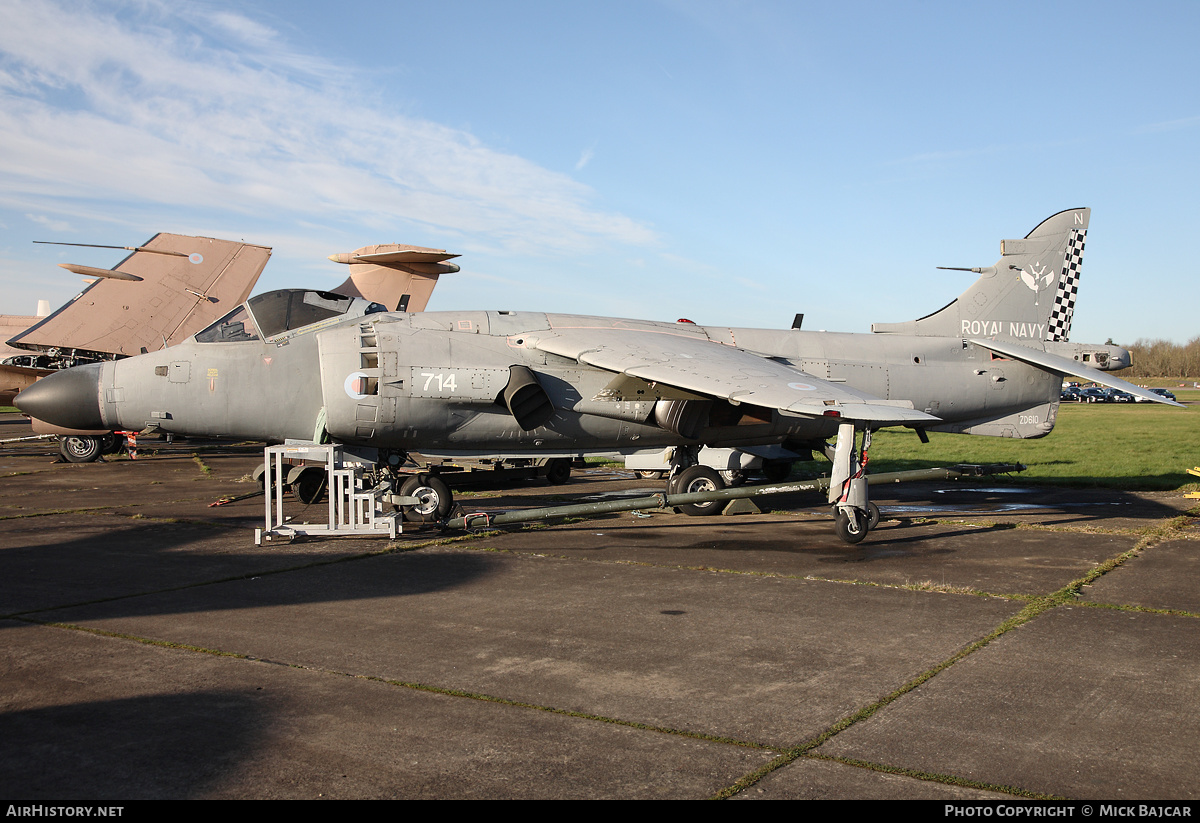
(157, 567)
(154, 746)
(161, 568)
(813, 539)
(937, 499)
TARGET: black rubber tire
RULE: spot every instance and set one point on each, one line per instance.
(649, 475)
(80, 448)
(558, 471)
(848, 533)
(873, 517)
(112, 443)
(310, 486)
(436, 498)
(699, 479)
(776, 471)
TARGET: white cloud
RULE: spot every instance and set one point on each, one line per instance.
(585, 157)
(50, 223)
(157, 106)
(1169, 125)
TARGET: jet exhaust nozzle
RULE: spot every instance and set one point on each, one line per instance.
(686, 418)
(526, 400)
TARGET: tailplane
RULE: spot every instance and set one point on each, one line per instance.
(400, 277)
(1028, 295)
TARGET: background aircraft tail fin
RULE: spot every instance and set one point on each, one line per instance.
(1028, 295)
(165, 291)
(400, 277)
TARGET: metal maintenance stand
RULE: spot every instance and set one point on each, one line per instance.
(352, 509)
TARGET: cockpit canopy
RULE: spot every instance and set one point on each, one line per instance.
(275, 312)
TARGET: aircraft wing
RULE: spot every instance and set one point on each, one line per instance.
(161, 294)
(1063, 366)
(701, 366)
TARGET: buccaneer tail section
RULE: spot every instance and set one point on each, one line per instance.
(1028, 296)
(165, 291)
(397, 276)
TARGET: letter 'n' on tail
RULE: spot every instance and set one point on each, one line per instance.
(1029, 295)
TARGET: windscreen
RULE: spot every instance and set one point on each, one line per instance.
(287, 309)
(234, 327)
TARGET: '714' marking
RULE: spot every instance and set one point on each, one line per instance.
(445, 382)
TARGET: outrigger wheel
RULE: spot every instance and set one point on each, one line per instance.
(873, 517)
(864, 521)
(853, 514)
(851, 529)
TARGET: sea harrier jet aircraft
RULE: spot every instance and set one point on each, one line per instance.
(313, 366)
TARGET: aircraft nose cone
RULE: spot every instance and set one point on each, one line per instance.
(70, 398)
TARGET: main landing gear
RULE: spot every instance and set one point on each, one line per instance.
(697, 479)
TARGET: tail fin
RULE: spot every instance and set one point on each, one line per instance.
(165, 291)
(400, 277)
(1029, 295)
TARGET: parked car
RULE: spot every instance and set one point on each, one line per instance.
(1161, 393)
(1118, 396)
(1070, 393)
(1093, 395)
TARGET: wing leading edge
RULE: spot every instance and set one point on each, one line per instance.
(716, 370)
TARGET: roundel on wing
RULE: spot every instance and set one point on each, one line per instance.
(195, 258)
(801, 386)
(356, 385)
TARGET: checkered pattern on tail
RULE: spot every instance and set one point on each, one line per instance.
(1068, 286)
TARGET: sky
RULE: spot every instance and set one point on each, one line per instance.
(730, 162)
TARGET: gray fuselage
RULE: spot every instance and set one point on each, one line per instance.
(432, 380)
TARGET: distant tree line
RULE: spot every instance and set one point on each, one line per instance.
(1162, 358)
